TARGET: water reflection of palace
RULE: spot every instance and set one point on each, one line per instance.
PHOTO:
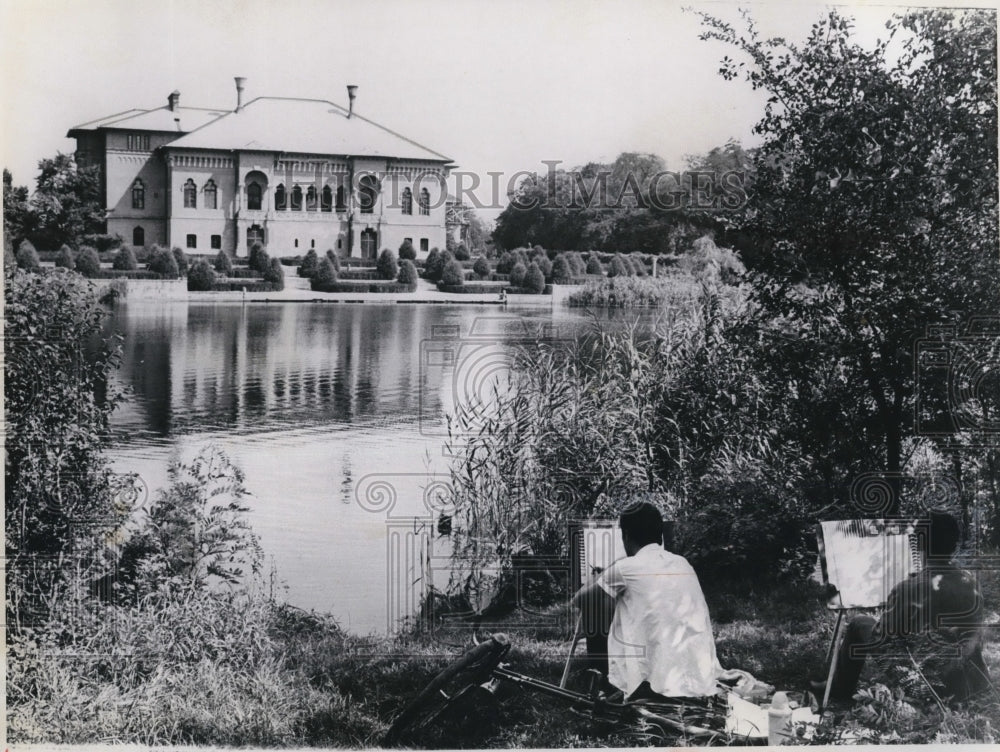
(202, 367)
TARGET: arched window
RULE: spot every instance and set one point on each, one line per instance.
(138, 195)
(407, 201)
(280, 198)
(211, 195)
(368, 187)
(369, 244)
(341, 199)
(138, 236)
(425, 202)
(190, 195)
(254, 196)
(327, 198)
(297, 198)
(311, 198)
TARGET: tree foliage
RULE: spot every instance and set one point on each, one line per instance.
(66, 203)
(201, 276)
(387, 265)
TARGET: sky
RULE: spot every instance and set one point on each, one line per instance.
(498, 87)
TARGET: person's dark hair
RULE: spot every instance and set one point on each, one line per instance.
(642, 523)
(945, 534)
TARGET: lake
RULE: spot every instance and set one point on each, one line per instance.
(335, 413)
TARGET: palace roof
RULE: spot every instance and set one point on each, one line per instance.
(181, 120)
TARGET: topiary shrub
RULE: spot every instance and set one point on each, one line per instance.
(386, 264)
(259, 261)
(453, 273)
(505, 263)
(517, 274)
(27, 257)
(462, 252)
(562, 272)
(65, 258)
(325, 274)
(594, 265)
(545, 266)
(309, 265)
(223, 264)
(275, 274)
(334, 259)
(407, 251)
(534, 280)
(433, 265)
(162, 262)
(125, 260)
(182, 260)
(639, 266)
(449, 243)
(88, 263)
(407, 272)
(481, 268)
(617, 268)
(201, 277)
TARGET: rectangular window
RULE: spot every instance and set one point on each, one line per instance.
(312, 243)
(192, 241)
(340, 243)
(216, 242)
(137, 142)
(423, 244)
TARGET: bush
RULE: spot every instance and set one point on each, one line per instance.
(639, 266)
(65, 258)
(545, 266)
(517, 274)
(275, 275)
(453, 274)
(259, 260)
(481, 267)
(618, 268)
(386, 264)
(125, 274)
(9, 259)
(309, 265)
(433, 265)
(325, 275)
(182, 260)
(223, 264)
(27, 256)
(462, 252)
(201, 277)
(407, 272)
(562, 272)
(162, 262)
(474, 288)
(594, 265)
(334, 259)
(407, 251)
(125, 260)
(534, 279)
(88, 263)
(505, 263)
(449, 243)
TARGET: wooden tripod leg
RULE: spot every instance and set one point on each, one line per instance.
(572, 651)
(831, 657)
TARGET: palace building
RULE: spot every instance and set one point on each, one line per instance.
(293, 174)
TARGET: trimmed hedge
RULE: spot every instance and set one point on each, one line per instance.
(485, 288)
(128, 274)
(242, 272)
(359, 274)
(362, 286)
(236, 285)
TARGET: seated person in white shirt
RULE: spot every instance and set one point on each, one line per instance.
(660, 638)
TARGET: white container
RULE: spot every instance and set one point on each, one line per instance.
(779, 718)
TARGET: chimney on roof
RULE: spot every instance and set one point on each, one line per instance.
(240, 80)
(352, 93)
(174, 100)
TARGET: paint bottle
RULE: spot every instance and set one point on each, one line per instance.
(779, 717)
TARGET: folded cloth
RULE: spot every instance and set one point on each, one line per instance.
(745, 685)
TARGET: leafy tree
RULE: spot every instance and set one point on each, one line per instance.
(201, 277)
(58, 401)
(182, 260)
(162, 262)
(310, 263)
(17, 218)
(125, 259)
(453, 273)
(407, 272)
(534, 279)
(386, 265)
(66, 204)
(873, 214)
(561, 270)
(517, 274)
(577, 265)
(275, 274)
(65, 259)
(407, 251)
(27, 256)
(481, 267)
(88, 263)
(223, 264)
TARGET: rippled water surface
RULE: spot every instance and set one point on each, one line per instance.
(335, 412)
